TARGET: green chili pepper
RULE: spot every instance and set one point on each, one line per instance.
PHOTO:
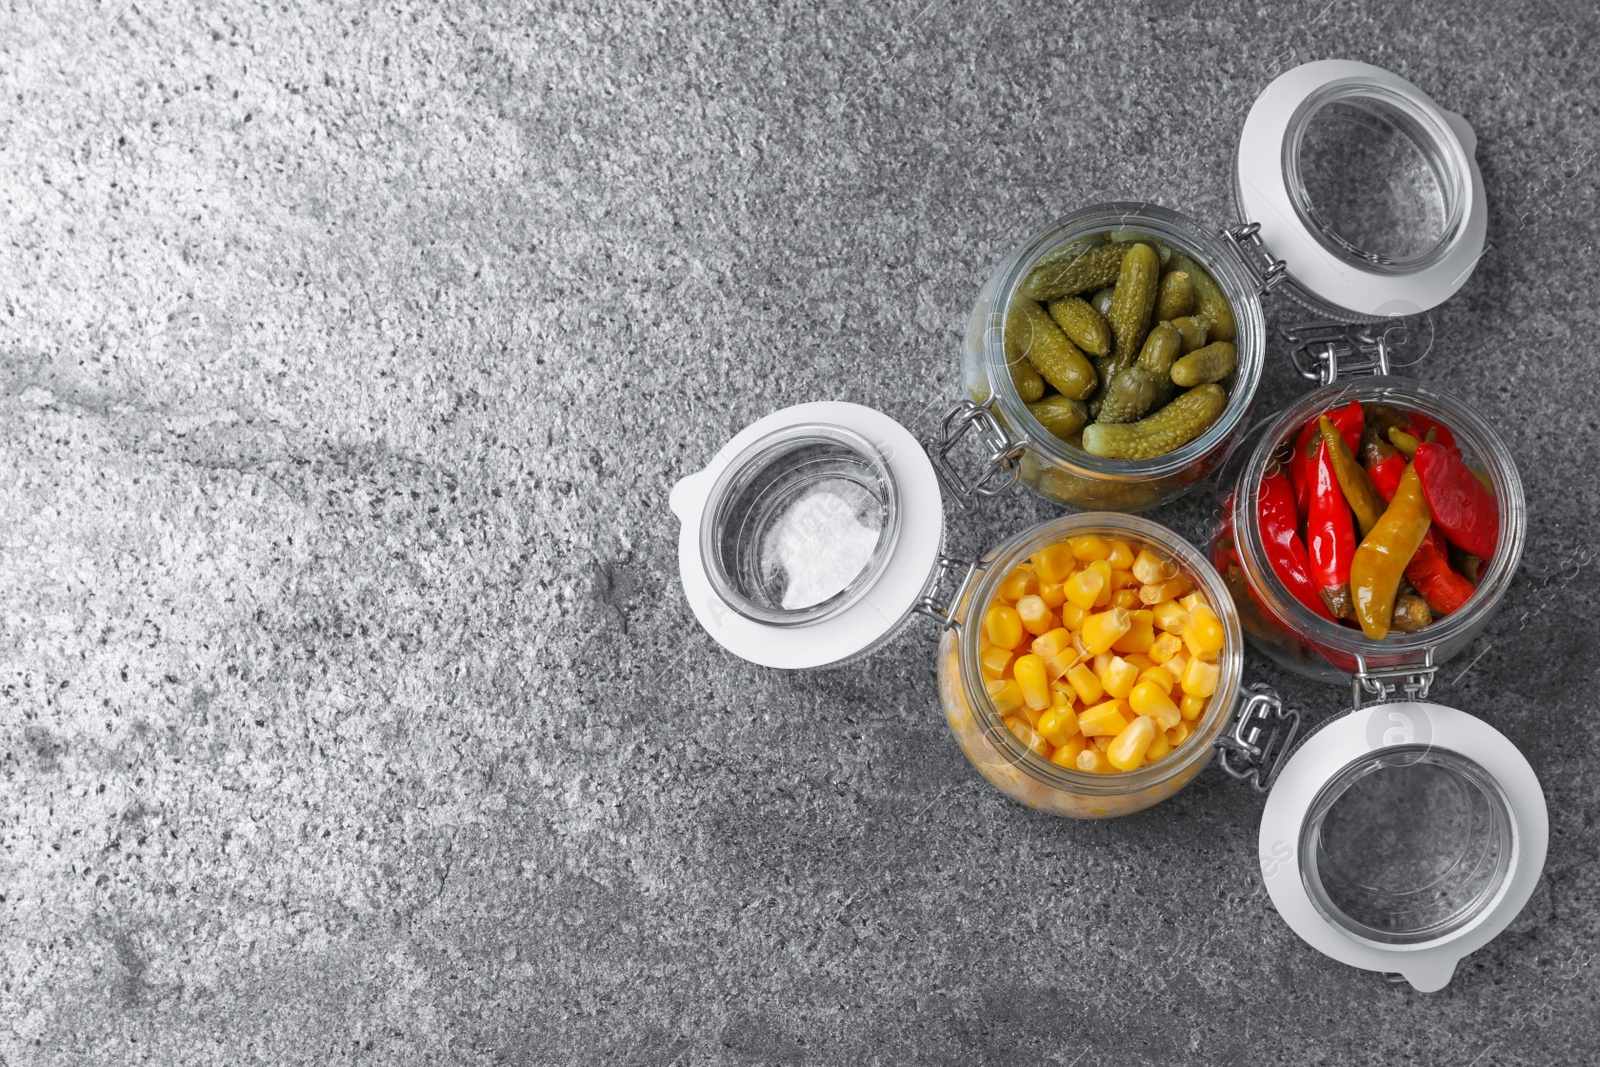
(1381, 558)
(1364, 499)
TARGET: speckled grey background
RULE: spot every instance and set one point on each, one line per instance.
(351, 709)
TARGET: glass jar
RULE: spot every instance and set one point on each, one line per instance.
(1282, 628)
(1063, 472)
(1004, 760)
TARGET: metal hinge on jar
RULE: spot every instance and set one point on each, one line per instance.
(1268, 272)
(1325, 350)
(1262, 736)
(1001, 468)
(943, 611)
(1407, 682)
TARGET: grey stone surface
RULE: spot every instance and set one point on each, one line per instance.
(351, 710)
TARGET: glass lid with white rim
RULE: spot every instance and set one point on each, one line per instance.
(1364, 188)
(810, 536)
(1402, 837)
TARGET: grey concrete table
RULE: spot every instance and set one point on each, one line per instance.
(351, 710)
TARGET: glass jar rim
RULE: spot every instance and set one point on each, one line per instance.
(1219, 711)
(1482, 441)
(1211, 252)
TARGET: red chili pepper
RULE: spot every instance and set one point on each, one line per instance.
(1350, 420)
(1285, 551)
(1421, 424)
(1430, 571)
(1330, 537)
(1461, 506)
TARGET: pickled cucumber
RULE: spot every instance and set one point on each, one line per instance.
(1137, 389)
(1163, 249)
(1061, 415)
(1175, 298)
(1074, 269)
(1032, 334)
(1193, 332)
(1212, 363)
(1028, 384)
(1173, 426)
(1135, 298)
(1101, 301)
(1209, 301)
(1082, 324)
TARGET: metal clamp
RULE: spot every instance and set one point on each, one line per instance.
(1261, 739)
(1001, 469)
(1409, 681)
(1257, 258)
(1327, 349)
(944, 612)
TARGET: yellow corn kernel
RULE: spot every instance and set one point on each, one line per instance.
(1140, 660)
(1192, 707)
(1176, 666)
(1150, 699)
(1083, 588)
(1159, 746)
(1030, 737)
(1027, 715)
(1054, 563)
(1160, 592)
(1100, 742)
(1103, 569)
(1179, 734)
(1005, 694)
(1127, 751)
(1151, 569)
(1139, 638)
(1085, 684)
(1170, 617)
(1119, 678)
(1036, 615)
(1158, 675)
(1104, 720)
(1089, 548)
(1061, 692)
(1101, 631)
(1143, 615)
(1029, 673)
(1072, 616)
(1052, 641)
(1165, 647)
(1205, 634)
(1020, 583)
(1125, 598)
(1053, 594)
(1066, 755)
(1058, 724)
(1101, 661)
(995, 660)
(1122, 556)
(1003, 626)
(1094, 761)
(1188, 603)
(1200, 678)
(1059, 664)
(1123, 579)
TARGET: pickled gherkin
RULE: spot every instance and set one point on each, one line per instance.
(1028, 384)
(1061, 415)
(1134, 298)
(1212, 363)
(1137, 389)
(1209, 302)
(1174, 426)
(1101, 301)
(1193, 332)
(1033, 335)
(1074, 269)
(1175, 298)
(1082, 324)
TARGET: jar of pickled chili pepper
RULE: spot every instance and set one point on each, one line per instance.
(1299, 632)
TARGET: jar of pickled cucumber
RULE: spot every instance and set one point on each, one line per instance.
(1111, 360)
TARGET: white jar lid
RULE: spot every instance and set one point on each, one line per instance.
(1402, 837)
(810, 536)
(1364, 187)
